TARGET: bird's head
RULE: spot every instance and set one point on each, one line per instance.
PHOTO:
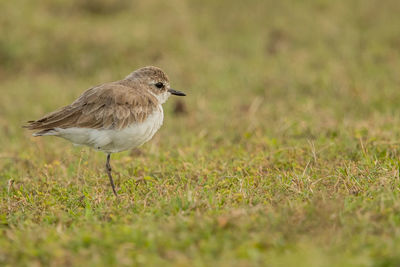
(156, 81)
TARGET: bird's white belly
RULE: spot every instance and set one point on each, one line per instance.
(111, 141)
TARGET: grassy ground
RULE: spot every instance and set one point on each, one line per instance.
(286, 152)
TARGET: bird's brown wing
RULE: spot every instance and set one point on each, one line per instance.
(108, 106)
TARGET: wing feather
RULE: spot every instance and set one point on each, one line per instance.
(109, 106)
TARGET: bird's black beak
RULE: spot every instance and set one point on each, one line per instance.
(175, 92)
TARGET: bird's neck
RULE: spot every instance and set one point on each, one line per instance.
(161, 98)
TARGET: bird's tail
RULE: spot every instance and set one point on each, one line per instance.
(46, 132)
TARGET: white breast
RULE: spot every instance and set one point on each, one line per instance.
(111, 141)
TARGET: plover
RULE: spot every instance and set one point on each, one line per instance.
(112, 117)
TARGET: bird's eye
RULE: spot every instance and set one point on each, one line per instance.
(159, 85)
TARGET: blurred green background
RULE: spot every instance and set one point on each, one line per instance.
(284, 151)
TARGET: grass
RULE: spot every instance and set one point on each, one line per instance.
(286, 153)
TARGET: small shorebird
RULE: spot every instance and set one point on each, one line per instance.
(114, 116)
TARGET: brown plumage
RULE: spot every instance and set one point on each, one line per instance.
(109, 106)
(113, 105)
(114, 116)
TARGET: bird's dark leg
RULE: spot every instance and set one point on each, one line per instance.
(108, 168)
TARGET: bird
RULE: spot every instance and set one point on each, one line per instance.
(112, 117)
